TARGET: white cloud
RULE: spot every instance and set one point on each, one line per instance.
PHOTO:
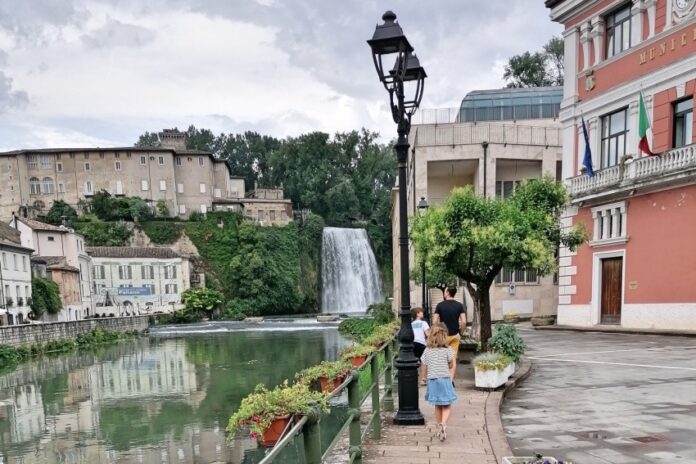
(103, 71)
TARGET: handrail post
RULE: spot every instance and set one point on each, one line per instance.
(311, 435)
(377, 417)
(355, 435)
(388, 378)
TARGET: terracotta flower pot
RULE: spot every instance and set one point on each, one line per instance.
(272, 434)
(329, 385)
(358, 360)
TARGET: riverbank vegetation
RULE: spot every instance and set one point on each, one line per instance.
(11, 356)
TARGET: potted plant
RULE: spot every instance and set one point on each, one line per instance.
(511, 317)
(9, 301)
(20, 301)
(266, 413)
(491, 370)
(380, 335)
(507, 341)
(536, 459)
(357, 354)
(329, 375)
(549, 319)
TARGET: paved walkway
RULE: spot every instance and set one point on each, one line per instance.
(599, 398)
(469, 439)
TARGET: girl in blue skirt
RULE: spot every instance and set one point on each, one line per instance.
(438, 360)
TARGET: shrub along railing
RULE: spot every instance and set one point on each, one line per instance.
(309, 425)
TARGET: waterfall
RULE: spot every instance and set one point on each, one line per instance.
(349, 274)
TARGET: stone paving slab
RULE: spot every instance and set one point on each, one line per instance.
(605, 398)
(474, 432)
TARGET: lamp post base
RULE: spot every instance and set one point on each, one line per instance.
(408, 413)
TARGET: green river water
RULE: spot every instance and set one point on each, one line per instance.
(163, 399)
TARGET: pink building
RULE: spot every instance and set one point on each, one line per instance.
(640, 211)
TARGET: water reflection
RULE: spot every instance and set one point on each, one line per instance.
(148, 401)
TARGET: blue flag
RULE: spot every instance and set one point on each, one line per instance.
(587, 160)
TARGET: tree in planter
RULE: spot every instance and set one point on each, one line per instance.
(45, 296)
(475, 237)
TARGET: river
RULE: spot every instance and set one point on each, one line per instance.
(158, 399)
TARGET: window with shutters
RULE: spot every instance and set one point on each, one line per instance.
(48, 185)
(170, 272)
(148, 271)
(163, 185)
(144, 185)
(32, 161)
(125, 272)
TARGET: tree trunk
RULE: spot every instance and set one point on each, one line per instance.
(485, 310)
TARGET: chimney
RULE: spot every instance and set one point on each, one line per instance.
(172, 139)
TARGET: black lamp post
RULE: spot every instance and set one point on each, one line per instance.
(389, 39)
(423, 207)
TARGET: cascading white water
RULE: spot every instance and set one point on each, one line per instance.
(349, 274)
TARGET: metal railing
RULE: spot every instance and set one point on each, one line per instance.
(486, 114)
(647, 168)
(309, 425)
(492, 132)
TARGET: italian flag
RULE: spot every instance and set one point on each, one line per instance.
(643, 126)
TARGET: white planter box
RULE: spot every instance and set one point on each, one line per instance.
(522, 460)
(492, 378)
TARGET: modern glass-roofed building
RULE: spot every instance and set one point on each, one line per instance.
(511, 104)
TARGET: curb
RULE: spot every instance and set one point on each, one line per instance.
(494, 401)
(608, 329)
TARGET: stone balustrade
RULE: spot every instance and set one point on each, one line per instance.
(634, 173)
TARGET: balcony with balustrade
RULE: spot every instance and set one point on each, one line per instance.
(643, 175)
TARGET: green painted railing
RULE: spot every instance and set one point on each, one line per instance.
(309, 425)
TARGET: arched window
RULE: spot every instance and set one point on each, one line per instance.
(47, 185)
(35, 185)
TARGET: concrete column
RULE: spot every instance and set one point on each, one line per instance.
(668, 16)
(651, 6)
(595, 141)
(570, 63)
(598, 39)
(637, 22)
(622, 211)
(605, 224)
(597, 221)
(632, 142)
(585, 41)
(615, 219)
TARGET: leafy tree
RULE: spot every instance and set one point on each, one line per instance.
(148, 140)
(45, 296)
(537, 69)
(162, 208)
(109, 208)
(436, 275)
(475, 237)
(554, 50)
(60, 210)
(201, 302)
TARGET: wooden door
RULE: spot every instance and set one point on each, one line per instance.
(611, 290)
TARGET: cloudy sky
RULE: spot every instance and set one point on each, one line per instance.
(100, 72)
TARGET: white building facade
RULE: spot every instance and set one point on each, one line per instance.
(60, 242)
(132, 280)
(15, 277)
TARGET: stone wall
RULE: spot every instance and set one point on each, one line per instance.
(17, 335)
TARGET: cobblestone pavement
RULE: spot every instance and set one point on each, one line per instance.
(605, 398)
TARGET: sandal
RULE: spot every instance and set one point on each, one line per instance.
(439, 432)
(443, 435)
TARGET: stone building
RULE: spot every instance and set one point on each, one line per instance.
(131, 280)
(15, 277)
(492, 142)
(637, 270)
(184, 180)
(67, 263)
(267, 206)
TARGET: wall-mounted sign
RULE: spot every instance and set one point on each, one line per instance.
(632, 285)
(133, 291)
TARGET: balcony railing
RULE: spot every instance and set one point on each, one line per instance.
(491, 132)
(633, 173)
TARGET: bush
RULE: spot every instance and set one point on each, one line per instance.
(492, 361)
(45, 296)
(197, 216)
(201, 302)
(358, 328)
(162, 208)
(59, 210)
(99, 233)
(382, 312)
(162, 232)
(507, 341)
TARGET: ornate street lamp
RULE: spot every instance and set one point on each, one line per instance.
(389, 39)
(422, 208)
